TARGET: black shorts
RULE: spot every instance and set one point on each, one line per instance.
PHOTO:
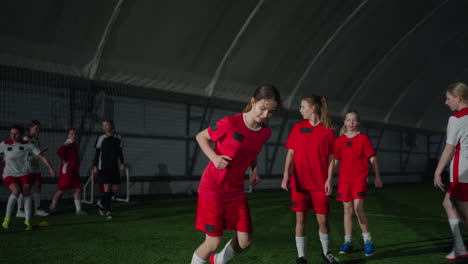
(109, 176)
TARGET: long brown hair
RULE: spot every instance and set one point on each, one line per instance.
(321, 108)
(343, 129)
(265, 91)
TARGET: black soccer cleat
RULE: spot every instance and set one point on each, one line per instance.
(301, 260)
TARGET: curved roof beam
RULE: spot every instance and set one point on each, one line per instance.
(402, 95)
(92, 67)
(209, 90)
(290, 98)
(385, 57)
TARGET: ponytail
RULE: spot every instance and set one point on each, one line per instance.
(325, 117)
(321, 106)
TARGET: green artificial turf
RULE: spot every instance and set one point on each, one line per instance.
(407, 222)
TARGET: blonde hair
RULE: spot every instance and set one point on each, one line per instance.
(321, 107)
(458, 89)
(343, 129)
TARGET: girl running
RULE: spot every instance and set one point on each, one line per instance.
(34, 170)
(16, 176)
(309, 161)
(354, 150)
(222, 204)
(456, 152)
(69, 175)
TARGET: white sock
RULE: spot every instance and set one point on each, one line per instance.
(78, 205)
(53, 204)
(27, 208)
(324, 242)
(367, 236)
(347, 238)
(12, 200)
(20, 202)
(226, 254)
(37, 200)
(457, 237)
(197, 260)
(300, 245)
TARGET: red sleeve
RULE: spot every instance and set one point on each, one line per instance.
(217, 131)
(291, 141)
(62, 152)
(368, 149)
(337, 149)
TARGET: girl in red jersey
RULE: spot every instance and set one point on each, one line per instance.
(455, 151)
(69, 172)
(354, 150)
(309, 161)
(222, 204)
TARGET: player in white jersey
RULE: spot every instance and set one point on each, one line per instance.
(16, 176)
(456, 152)
(34, 171)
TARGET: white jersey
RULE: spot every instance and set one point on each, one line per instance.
(33, 161)
(15, 162)
(457, 135)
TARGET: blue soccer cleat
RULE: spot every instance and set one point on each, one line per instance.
(369, 249)
(346, 248)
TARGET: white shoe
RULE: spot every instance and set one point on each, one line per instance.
(20, 213)
(456, 254)
(40, 212)
(108, 215)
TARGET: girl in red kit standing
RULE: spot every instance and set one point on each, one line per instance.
(355, 151)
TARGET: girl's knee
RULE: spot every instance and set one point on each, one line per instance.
(245, 243)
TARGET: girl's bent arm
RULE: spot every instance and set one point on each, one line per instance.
(203, 139)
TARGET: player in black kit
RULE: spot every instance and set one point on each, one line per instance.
(106, 165)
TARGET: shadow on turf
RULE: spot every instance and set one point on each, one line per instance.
(411, 251)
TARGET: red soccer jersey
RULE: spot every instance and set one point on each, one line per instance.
(234, 139)
(68, 153)
(354, 154)
(312, 146)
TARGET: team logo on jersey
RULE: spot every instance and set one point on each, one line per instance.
(214, 128)
(10, 149)
(238, 136)
(21, 148)
(293, 204)
(349, 143)
(361, 194)
(339, 195)
(210, 228)
(306, 130)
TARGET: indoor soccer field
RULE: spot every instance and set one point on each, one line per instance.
(407, 222)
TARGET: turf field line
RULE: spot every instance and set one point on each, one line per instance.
(403, 217)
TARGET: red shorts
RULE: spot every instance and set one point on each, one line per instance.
(69, 181)
(214, 216)
(26, 179)
(35, 177)
(459, 191)
(348, 192)
(302, 200)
